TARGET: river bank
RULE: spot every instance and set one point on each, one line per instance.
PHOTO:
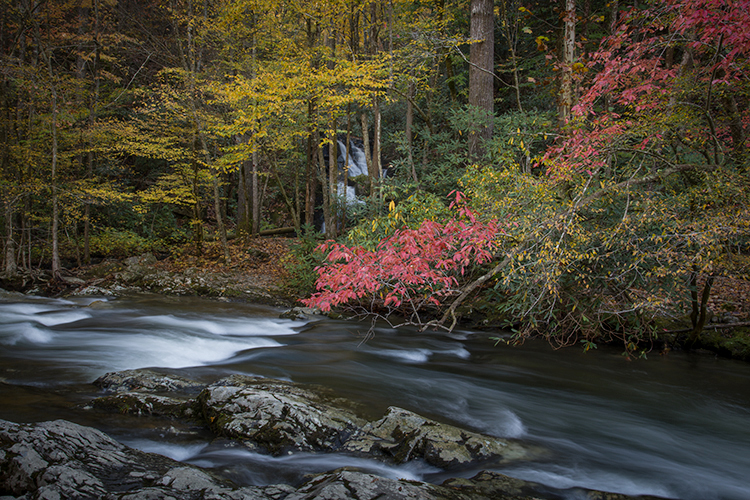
(260, 269)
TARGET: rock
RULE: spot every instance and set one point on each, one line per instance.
(135, 394)
(493, 485)
(278, 415)
(146, 381)
(147, 404)
(61, 460)
(301, 313)
(147, 259)
(350, 485)
(72, 281)
(404, 435)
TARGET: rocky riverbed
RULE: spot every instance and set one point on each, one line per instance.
(60, 459)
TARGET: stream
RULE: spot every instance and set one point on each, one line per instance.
(676, 426)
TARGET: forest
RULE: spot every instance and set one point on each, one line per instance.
(571, 169)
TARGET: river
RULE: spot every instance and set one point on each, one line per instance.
(676, 426)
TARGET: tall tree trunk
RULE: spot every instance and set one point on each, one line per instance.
(409, 133)
(11, 265)
(511, 36)
(324, 186)
(56, 267)
(482, 58)
(310, 169)
(244, 212)
(565, 100)
(332, 222)
(376, 159)
(371, 170)
(93, 102)
(255, 195)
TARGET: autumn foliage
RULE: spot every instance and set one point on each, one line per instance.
(408, 271)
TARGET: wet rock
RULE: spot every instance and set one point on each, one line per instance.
(301, 313)
(404, 435)
(60, 460)
(351, 485)
(277, 415)
(145, 392)
(146, 404)
(495, 486)
(146, 381)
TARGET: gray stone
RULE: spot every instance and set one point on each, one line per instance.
(301, 313)
(404, 435)
(278, 415)
(63, 460)
(351, 485)
(135, 403)
(145, 381)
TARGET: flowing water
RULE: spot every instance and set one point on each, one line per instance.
(676, 426)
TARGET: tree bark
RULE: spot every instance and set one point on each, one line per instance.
(408, 132)
(482, 58)
(371, 171)
(565, 101)
(255, 195)
(11, 265)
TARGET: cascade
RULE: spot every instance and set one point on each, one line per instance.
(354, 158)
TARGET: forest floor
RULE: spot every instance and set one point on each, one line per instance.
(257, 262)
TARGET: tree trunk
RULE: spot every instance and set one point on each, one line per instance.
(324, 186)
(333, 175)
(255, 195)
(377, 165)
(511, 36)
(244, 212)
(11, 265)
(56, 267)
(409, 132)
(310, 168)
(482, 58)
(565, 102)
(220, 220)
(371, 172)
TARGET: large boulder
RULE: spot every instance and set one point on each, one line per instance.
(146, 392)
(278, 416)
(403, 435)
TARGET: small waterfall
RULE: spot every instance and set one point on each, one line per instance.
(354, 158)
